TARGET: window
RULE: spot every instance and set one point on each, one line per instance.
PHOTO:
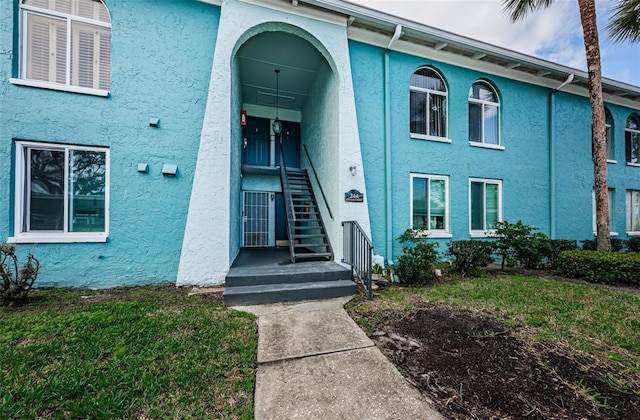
(633, 212)
(62, 193)
(428, 107)
(485, 204)
(611, 157)
(611, 212)
(66, 45)
(632, 140)
(430, 204)
(484, 115)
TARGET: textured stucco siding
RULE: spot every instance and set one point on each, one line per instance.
(522, 166)
(575, 168)
(161, 65)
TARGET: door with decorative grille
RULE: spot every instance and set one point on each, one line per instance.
(258, 219)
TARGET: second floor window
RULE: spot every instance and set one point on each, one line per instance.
(66, 42)
(632, 140)
(428, 105)
(484, 114)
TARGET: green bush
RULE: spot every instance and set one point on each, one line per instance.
(601, 266)
(470, 255)
(633, 245)
(415, 265)
(557, 246)
(519, 244)
(15, 280)
(617, 245)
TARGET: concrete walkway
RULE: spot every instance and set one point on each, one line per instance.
(314, 362)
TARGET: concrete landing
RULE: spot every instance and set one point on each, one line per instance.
(314, 362)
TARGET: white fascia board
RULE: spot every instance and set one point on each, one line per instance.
(381, 40)
(388, 22)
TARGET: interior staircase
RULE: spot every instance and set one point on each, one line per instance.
(308, 240)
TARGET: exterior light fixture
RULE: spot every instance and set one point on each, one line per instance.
(277, 125)
(352, 169)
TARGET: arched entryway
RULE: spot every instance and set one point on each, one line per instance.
(281, 75)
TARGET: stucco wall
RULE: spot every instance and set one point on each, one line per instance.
(523, 166)
(161, 64)
(575, 168)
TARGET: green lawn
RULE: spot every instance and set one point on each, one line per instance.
(598, 320)
(139, 352)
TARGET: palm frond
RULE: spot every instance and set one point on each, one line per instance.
(518, 9)
(625, 21)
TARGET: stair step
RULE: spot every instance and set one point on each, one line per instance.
(256, 295)
(303, 236)
(313, 255)
(310, 245)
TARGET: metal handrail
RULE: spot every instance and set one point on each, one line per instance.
(291, 214)
(357, 251)
(326, 203)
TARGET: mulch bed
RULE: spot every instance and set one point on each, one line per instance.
(472, 366)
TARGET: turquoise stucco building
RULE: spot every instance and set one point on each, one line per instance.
(137, 144)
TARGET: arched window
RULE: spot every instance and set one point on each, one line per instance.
(428, 107)
(66, 42)
(609, 135)
(484, 114)
(632, 140)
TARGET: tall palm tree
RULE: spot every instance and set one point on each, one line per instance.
(518, 9)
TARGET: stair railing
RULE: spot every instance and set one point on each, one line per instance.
(315, 174)
(357, 251)
(288, 203)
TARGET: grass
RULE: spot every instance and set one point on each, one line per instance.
(597, 320)
(148, 352)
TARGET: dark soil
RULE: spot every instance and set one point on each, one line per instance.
(472, 366)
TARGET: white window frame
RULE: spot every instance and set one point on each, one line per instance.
(485, 232)
(482, 103)
(444, 94)
(632, 131)
(628, 213)
(71, 48)
(611, 195)
(64, 236)
(432, 233)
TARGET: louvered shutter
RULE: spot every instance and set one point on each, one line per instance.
(89, 64)
(105, 59)
(46, 51)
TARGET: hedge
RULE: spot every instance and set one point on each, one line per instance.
(601, 266)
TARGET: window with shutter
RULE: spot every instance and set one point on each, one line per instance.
(67, 43)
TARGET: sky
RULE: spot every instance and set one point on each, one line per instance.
(554, 34)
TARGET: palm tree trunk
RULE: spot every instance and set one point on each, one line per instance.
(592, 47)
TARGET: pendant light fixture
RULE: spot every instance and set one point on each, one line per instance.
(277, 125)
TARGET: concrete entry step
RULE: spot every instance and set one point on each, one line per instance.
(266, 275)
(287, 292)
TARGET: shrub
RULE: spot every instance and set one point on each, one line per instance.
(16, 280)
(557, 246)
(601, 266)
(519, 244)
(418, 257)
(470, 255)
(633, 245)
(617, 245)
